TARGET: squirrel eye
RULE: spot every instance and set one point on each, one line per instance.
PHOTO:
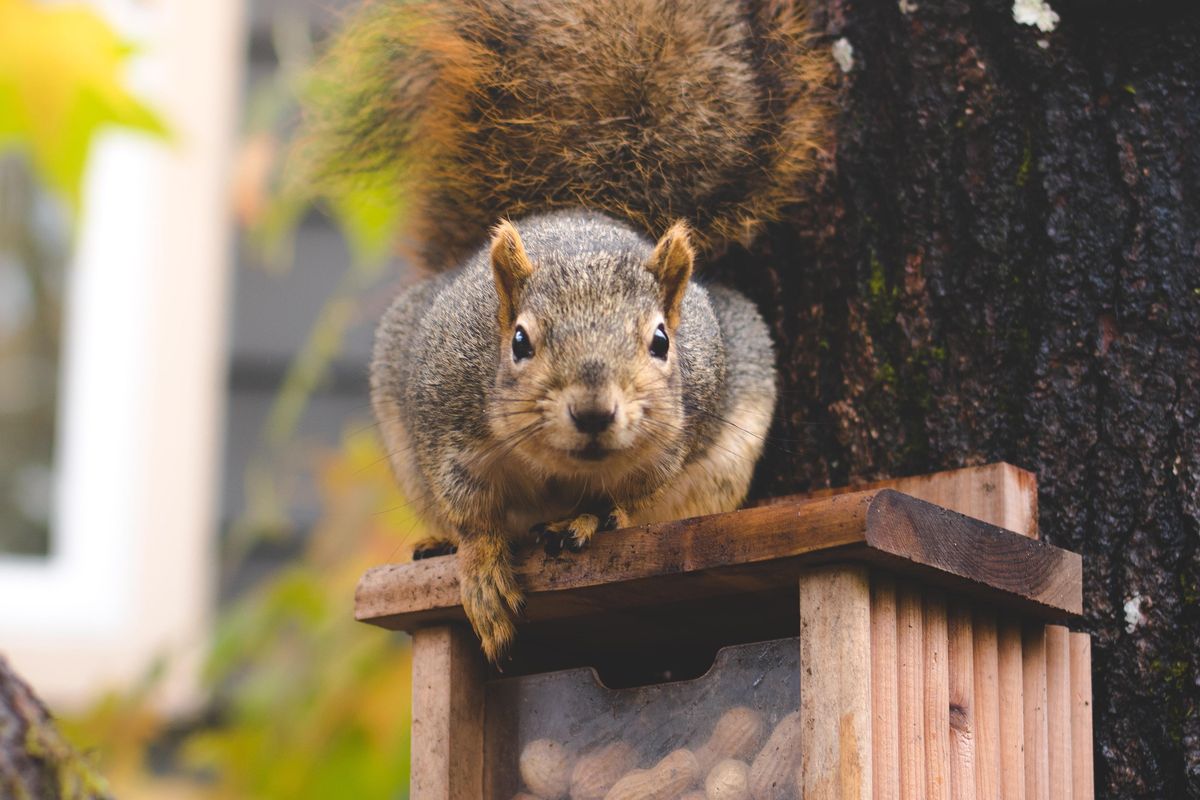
(660, 344)
(521, 346)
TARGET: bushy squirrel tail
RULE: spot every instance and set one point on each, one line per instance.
(713, 111)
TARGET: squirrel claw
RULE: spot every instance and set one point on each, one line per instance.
(616, 519)
(432, 548)
(569, 534)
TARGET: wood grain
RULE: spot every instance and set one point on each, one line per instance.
(986, 664)
(1011, 670)
(835, 691)
(937, 699)
(447, 708)
(999, 494)
(885, 725)
(933, 543)
(960, 661)
(910, 675)
(1036, 741)
(1058, 709)
(749, 551)
(1082, 774)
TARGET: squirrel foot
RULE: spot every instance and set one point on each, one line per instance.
(574, 533)
(432, 547)
(617, 518)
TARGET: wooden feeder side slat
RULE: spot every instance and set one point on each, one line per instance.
(937, 699)
(986, 663)
(1082, 776)
(1037, 744)
(750, 550)
(1012, 703)
(1058, 709)
(963, 738)
(885, 723)
(910, 645)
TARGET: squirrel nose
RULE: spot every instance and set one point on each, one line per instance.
(593, 420)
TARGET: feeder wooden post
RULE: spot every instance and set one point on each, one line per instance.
(447, 709)
(835, 686)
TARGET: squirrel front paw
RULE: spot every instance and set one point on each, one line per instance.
(432, 547)
(574, 533)
(617, 518)
(491, 599)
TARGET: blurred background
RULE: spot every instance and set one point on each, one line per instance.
(190, 482)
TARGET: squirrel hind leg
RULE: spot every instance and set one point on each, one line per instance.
(432, 547)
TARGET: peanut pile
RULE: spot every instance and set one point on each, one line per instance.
(733, 764)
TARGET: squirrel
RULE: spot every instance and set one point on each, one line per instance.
(570, 378)
(563, 164)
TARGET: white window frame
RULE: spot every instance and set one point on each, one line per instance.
(130, 577)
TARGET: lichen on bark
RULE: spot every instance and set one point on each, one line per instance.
(36, 762)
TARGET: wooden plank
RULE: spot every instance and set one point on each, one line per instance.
(999, 494)
(1037, 745)
(986, 662)
(933, 543)
(447, 708)
(1010, 664)
(937, 699)
(1058, 709)
(1082, 776)
(910, 676)
(960, 660)
(752, 550)
(835, 692)
(885, 727)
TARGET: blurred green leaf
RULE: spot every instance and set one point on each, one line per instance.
(62, 81)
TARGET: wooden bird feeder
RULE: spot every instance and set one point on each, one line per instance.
(899, 640)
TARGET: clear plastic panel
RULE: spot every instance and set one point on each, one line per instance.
(731, 734)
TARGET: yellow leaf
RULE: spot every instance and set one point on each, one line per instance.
(61, 82)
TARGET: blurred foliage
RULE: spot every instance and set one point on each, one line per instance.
(277, 179)
(316, 705)
(273, 190)
(61, 82)
(305, 703)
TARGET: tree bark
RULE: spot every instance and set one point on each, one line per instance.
(1002, 263)
(36, 762)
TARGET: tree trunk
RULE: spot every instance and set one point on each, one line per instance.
(36, 762)
(1003, 263)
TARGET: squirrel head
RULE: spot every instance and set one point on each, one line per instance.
(588, 378)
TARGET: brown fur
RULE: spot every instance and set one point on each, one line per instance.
(511, 267)
(487, 445)
(671, 264)
(650, 110)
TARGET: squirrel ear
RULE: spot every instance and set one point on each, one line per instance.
(671, 264)
(510, 267)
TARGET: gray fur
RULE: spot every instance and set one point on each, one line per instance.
(443, 379)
